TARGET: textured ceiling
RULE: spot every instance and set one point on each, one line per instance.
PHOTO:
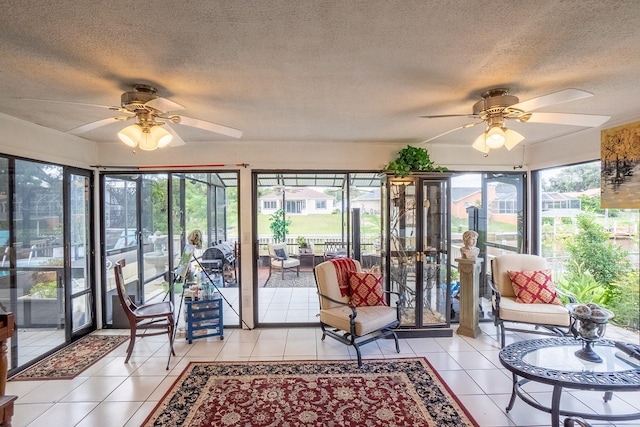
(318, 70)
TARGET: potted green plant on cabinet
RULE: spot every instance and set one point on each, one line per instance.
(412, 159)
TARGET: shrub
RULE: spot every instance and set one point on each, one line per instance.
(591, 251)
(45, 290)
(625, 300)
(584, 287)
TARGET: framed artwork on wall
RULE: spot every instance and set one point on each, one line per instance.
(620, 170)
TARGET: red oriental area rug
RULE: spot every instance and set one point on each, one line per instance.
(393, 392)
(73, 359)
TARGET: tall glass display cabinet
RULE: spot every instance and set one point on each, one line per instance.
(416, 248)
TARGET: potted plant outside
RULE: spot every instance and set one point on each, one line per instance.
(303, 245)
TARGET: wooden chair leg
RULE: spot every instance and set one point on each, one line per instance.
(132, 341)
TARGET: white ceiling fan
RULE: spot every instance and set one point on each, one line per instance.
(153, 117)
(497, 106)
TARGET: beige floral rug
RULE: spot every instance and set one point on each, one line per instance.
(73, 359)
(391, 392)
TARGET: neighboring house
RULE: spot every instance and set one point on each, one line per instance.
(368, 203)
(560, 205)
(462, 198)
(554, 205)
(302, 201)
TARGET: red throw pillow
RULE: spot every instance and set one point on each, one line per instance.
(534, 287)
(366, 289)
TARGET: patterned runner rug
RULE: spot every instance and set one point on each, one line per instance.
(392, 392)
(73, 359)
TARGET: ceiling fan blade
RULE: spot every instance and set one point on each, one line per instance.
(95, 125)
(468, 125)
(211, 127)
(177, 141)
(586, 120)
(164, 105)
(554, 98)
(440, 116)
(84, 104)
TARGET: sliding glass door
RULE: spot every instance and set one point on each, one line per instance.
(317, 216)
(146, 220)
(79, 251)
(46, 277)
(493, 204)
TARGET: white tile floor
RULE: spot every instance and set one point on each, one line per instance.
(112, 394)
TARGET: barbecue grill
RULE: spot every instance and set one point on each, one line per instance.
(219, 259)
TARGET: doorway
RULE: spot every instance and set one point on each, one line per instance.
(46, 272)
(312, 213)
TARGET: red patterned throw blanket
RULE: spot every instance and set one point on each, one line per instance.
(344, 266)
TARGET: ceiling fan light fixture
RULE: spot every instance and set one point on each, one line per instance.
(131, 135)
(161, 135)
(513, 138)
(480, 144)
(154, 138)
(495, 137)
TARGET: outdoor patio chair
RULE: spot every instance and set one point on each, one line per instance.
(541, 310)
(145, 320)
(349, 319)
(333, 250)
(281, 259)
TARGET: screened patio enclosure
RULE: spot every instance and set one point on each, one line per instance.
(146, 219)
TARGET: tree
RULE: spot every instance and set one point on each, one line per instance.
(591, 251)
(279, 225)
(574, 179)
(592, 204)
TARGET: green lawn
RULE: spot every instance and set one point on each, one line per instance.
(320, 224)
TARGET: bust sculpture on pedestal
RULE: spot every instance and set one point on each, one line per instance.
(469, 267)
(469, 250)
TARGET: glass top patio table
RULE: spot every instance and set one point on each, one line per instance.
(552, 361)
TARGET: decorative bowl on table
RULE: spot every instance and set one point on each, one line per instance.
(588, 322)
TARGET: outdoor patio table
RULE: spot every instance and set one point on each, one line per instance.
(552, 361)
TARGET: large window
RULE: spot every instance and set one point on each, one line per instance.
(593, 251)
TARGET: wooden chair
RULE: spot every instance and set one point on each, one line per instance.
(353, 326)
(281, 259)
(145, 320)
(553, 318)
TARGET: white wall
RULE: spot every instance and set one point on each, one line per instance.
(20, 138)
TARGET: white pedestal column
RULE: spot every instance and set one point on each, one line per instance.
(469, 296)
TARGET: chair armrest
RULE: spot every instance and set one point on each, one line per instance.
(569, 296)
(351, 306)
(400, 296)
(495, 292)
(399, 303)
